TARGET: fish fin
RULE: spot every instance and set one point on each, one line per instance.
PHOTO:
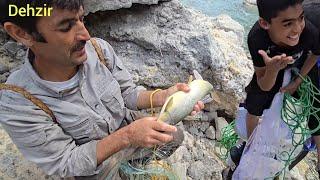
(197, 75)
(190, 79)
(166, 105)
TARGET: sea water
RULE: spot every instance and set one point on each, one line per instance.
(246, 15)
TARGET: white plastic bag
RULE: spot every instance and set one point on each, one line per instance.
(264, 153)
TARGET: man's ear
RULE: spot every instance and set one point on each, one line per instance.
(19, 34)
(264, 24)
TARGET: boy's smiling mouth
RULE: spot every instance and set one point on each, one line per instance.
(294, 37)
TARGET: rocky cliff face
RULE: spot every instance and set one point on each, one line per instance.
(93, 6)
(162, 44)
(250, 2)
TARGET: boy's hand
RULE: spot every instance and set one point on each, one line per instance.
(290, 88)
(275, 63)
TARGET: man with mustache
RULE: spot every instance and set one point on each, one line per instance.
(89, 117)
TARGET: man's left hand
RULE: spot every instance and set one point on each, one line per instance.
(185, 88)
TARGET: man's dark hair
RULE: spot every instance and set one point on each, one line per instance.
(269, 9)
(28, 23)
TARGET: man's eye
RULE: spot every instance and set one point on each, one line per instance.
(82, 19)
(68, 28)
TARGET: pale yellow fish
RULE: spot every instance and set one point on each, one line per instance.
(180, 104)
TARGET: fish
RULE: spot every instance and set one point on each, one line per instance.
(180, 104)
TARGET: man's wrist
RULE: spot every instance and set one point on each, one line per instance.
(124, 134)
(159, 98)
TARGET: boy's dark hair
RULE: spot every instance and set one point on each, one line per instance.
(28, 23)
(269, 9)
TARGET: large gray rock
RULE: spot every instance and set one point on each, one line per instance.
(161, 45)
(14, 166)
(208, 166)
(103, 5)
(312, 11)
(250, 2)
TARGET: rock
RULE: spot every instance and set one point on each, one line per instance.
(92, 6)
(188, 140)
(204, 170)
(311, 10)
(14, 166)
(181, 154)
(180, 170)
(194, 131)
(250, 2)
(13, 47)
(3, 68)
(203, 126)
(174, 41)
(196, 170)
(220, 124)
(211, 133)
(197, 153)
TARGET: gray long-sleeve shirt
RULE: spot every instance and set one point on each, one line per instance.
(85, 114)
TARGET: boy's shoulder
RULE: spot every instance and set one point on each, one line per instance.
(258, 37)
(310, 29)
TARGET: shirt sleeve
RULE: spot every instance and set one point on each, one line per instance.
(129, 89)
(45, 143)
(253, 44)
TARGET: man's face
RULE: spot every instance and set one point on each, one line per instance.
(66, 37)
(286, 28)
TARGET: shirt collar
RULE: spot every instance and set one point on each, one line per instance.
(36, 78)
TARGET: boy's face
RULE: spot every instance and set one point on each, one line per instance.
(286, 28)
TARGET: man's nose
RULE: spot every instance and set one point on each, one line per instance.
(82, 34)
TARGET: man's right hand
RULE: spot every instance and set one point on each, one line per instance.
(275, 63)
(147, 132)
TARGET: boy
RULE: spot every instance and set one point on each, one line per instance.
(281, 39)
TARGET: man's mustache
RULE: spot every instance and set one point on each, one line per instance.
(80, 45)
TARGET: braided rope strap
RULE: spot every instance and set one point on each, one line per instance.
(98, 50)
(30, 97)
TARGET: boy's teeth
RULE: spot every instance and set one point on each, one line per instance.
(294, 37)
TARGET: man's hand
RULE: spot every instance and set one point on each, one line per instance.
(147, 132)
(275, 63)
(290, 88)
(185, 88)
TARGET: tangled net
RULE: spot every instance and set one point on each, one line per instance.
(148, 165)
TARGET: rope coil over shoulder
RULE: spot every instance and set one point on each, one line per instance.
(37, 101)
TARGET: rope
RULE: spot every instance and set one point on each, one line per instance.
(228, 140)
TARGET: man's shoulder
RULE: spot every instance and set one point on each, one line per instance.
(105, 47)
(19, 77)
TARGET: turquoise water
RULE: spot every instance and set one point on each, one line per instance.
(244, 14)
